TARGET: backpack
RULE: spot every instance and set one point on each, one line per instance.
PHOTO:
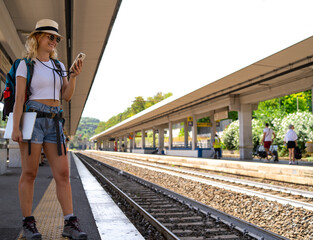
(298, 153)
(8, 95)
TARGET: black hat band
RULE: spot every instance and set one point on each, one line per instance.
(47, 28)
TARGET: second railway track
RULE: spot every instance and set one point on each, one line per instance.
(282, 194)
(286, 220)
(185, 218)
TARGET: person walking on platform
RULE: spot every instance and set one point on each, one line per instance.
(217, 147)
(48, 80)
(267, 141)
(291, 140)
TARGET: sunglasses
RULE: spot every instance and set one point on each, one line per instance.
(52, 37)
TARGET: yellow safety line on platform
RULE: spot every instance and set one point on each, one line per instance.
(49, 216)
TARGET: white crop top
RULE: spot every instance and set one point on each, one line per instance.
(44, 80)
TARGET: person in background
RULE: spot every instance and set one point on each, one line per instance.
(123, 148)
(217, 147)
(48, 84)
(41, 161)
(291, 140)
(268, 133)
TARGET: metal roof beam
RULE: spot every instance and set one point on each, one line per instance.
(69, 44)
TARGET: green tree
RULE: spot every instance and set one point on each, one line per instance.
(138, 105)
(86, 129)
(280, 107)
(233, 115)
(101, 125)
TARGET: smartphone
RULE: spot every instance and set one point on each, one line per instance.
(80, 56)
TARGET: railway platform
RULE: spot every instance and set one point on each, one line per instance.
(99, 216)
(301, 173)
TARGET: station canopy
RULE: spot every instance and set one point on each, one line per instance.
(285, 72)
(86, 26)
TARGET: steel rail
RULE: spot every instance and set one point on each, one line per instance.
(154, 222)
(226, 179)
(243, 226)
(270, 197)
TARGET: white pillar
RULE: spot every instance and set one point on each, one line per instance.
(131, 146)
(170, 135)
(186, 133)
(125, 143)
(143, 139)
(245, 131)
(161, 139)
(120, 143)
(134, 140)
(312, 97)
(153, 137)
(194, 133)
(213, 128)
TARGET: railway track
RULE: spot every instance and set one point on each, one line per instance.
(282, 194)
(172, 215)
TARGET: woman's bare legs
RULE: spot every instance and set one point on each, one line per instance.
(291, 155)
(60, 170)
(30, 165)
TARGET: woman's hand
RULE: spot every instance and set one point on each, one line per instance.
(77, 68)
(17, 135)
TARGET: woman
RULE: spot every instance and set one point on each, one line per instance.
(291, 140)
(46, 86)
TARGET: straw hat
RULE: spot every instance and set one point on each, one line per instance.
(47, 26)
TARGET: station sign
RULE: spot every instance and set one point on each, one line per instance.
(204, 124)
(190, 121)
(139, 136)
(131, 135)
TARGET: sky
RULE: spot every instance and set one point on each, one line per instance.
(179, 46)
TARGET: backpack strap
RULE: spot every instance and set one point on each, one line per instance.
(30, 71)
(58, 65)
(59, 72)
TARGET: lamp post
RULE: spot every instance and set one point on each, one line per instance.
(298, 102)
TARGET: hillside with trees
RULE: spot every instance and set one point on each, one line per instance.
(139, 104)
(88, 127)
(85, 130)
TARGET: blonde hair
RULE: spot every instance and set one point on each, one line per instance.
(32, 44)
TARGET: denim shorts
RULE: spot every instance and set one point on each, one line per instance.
(44, 129)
